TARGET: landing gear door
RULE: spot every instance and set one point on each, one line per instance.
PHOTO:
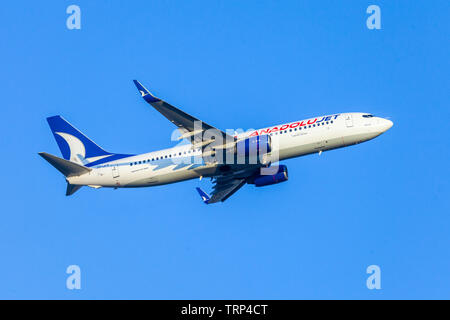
(348, 120)
(115, 172)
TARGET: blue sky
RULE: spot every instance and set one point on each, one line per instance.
(233, 64)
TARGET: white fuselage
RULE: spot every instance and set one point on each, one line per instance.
(184, 162)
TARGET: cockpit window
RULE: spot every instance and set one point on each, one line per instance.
(367, 115)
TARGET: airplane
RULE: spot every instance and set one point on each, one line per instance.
(230, 159)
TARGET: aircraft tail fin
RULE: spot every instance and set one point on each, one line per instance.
(66, 167)
(74, 145)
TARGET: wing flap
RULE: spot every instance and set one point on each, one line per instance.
(223, 192)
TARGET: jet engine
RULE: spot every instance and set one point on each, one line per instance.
(267, 180)
(253, 149)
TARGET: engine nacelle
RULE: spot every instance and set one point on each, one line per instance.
(267, 180)
(254, 148)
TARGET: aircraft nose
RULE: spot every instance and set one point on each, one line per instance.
(386, 125)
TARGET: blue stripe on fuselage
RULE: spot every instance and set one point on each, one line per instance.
(113, 157)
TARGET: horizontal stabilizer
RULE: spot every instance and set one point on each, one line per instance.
(72, 188)
(66, 167)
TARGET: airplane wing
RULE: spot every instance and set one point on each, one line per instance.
(222, 191)
(189, 126)
(226, 185)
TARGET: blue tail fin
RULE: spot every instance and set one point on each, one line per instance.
(74, 145)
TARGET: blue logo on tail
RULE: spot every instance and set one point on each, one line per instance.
(74, 145)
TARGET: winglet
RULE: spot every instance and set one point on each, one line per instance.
(205, 197)
(145, 93)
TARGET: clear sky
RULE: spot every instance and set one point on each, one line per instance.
(233, 64)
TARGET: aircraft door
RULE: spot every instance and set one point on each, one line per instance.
(349, 120)
(115, 172)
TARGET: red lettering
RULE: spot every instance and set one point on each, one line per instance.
(274, 129)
